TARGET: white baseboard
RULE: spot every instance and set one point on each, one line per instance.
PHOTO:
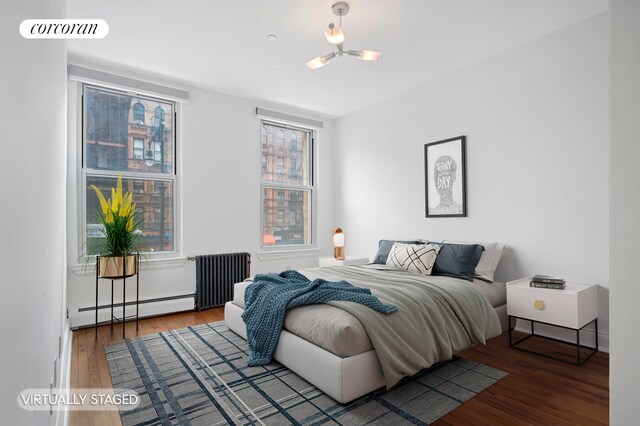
(61, 417)
(85, 318)
(587, 336)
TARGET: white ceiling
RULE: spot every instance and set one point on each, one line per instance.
(222, 45)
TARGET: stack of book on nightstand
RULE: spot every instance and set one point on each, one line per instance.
(547, 281)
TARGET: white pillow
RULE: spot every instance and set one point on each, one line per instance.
(488, 260)
(413, 257)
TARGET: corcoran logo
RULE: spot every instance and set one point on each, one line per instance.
(64, 28)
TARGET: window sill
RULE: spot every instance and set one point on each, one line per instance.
(145, 264)
(288, 254)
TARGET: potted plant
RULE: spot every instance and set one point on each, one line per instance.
(119, 240)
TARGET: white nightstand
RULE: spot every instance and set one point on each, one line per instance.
(330, 261)
(573, 308)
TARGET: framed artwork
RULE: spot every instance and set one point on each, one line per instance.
(445, 178)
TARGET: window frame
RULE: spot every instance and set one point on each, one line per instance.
(134, 148)
(310, 187)
(281, 141)
(85, 172)
(135, 113)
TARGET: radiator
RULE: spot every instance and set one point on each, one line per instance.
(215, 276)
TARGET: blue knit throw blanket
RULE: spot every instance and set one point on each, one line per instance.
(267, 299)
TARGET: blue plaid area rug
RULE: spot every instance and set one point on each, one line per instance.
(199, 376)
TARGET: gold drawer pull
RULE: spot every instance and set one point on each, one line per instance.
(538, 304)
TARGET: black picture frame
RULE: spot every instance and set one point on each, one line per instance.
(446, 178)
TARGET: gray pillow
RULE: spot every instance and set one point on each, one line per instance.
(488, 263)
(457, 260)
(384, 247)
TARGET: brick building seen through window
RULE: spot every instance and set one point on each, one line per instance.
(132, 136)
(287, 181)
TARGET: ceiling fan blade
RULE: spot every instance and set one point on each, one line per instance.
(320, 61)
(366, 55)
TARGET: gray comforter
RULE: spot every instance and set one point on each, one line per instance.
(436, 317)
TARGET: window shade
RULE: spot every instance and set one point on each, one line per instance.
(281, 117)
(89, 75)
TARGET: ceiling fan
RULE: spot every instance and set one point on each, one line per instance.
(335, 36)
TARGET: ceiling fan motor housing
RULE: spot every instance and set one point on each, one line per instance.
(341, 8)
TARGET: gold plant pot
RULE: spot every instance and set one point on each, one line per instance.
(114, 266)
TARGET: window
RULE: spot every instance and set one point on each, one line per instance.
(138, 113)
(106, 120)
(280, 138)
(287, 194)
(108, 156)
(293, 142)
(157, 153)
(138, 187)
(138, 148)
(158, 116)
(157, 188)
(264, 163)
(293, 167)
(114, 140)
(264, 136)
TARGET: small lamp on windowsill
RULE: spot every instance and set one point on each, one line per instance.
(338, 242)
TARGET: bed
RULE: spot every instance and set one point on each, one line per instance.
(329, 347)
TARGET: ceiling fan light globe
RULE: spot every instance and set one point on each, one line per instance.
(317, 62)
(334, 35)
(370, 55)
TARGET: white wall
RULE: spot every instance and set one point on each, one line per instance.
(624, 210)
(220, 202)
(33, 167)
(536, 121)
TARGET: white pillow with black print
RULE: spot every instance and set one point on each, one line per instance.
(413, 257)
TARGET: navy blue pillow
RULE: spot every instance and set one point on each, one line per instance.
(457, 260)
(384, 247)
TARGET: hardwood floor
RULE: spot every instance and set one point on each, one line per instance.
(89, 368)
(537, 391)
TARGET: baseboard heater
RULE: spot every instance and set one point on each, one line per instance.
(215, 276)
(132, 303)
(141, 302)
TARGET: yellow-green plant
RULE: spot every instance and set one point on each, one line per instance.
(120, 234)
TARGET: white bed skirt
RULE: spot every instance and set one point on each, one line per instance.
(343, 379)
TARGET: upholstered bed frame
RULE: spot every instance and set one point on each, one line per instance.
(343, 379)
